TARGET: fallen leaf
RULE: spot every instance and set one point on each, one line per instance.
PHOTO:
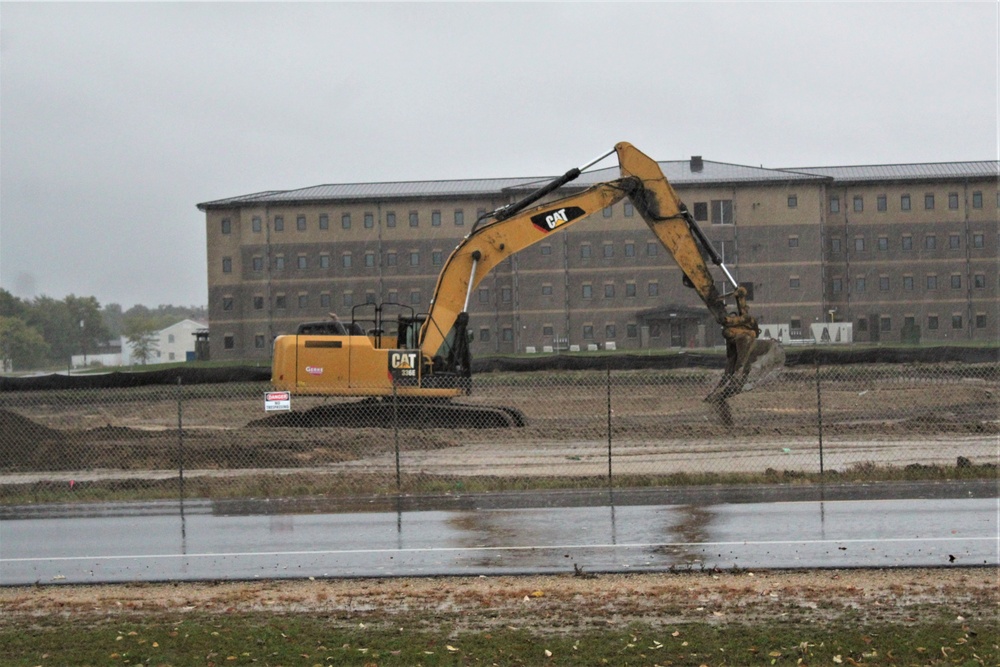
(452, 649)
(548, 653)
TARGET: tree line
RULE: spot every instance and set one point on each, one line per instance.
(46, 332)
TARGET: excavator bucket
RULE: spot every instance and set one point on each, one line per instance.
(766, 359)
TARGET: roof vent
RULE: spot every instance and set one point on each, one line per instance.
(696, 163)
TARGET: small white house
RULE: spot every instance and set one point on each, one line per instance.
(175, 343)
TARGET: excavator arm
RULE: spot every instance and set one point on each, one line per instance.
(443, 337)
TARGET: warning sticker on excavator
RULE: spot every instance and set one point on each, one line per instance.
(551, 220)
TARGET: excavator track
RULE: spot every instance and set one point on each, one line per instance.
(405, 413)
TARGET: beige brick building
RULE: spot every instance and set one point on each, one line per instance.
(902, 252)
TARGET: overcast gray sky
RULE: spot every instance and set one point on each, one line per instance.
(117, 119)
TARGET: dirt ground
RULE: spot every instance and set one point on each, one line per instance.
(556, 604)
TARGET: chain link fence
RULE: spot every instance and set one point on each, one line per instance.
(564, 429)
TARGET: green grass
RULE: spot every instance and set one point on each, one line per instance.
(300, 639)
(308, 484)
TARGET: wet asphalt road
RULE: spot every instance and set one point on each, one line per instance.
(848, 526)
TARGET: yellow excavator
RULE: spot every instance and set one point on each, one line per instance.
(427, 361)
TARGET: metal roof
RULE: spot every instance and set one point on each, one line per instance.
(678, 172)
(907, 172)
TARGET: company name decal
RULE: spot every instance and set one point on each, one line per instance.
(552, 219)
(314, 370)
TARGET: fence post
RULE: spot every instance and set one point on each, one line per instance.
(819, 414)
(395, 432)
(608, 368)
(180, 439)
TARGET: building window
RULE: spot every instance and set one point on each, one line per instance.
(979, 281)
(628, 209)
(588, 331)
(956, 281)
(863, 324)
(546, 249)
(908, 283)
(881, 203)
(370, 259)
(980, 320)
(883, 243)
(722, 211)
(629, 249)
(653, 289)
(885, 323)
(390, 258)
(701, 211)
(610, 331)
(279, 223)
(258, 263)
(390, 219)
(279, 263)
(227, 264)
(654, 330)
(834, 204)
(954, 241)
(324, 300)
(345, 221)
(630, 289)
(652, 248)
(837, 285)
(506, 294)
(904, 203)
(607, 212)
(585, 250)
(459, 217)
(631, 330)
(859, 285)
(414, 258)
(324, 261)
(369, 220)
(587, 291)
(303, 262)
(227, 226)
(303, 300)
(932, 282)
(859, 203)
(437, 258)
(609, 291)
(953, 201)
(347, 299)
(977, 199)
(906, 243)
(300, 223)
(930, 242)
(415, 297)
(324, 221)
(484, 295)
(859, 244)
(346, 260)
(793, 282)
(280, 301)
(228, 341)
(484, 335)
(258, 341)
(256, 225)
(793, 201)
(883, 283)
(227, 303)
(932, 322)
(392, 296)
(956, 321)
(608, 250)
(547, 289)
(929, 202)
(834, 245)
(414, 219)
(978, 240)
(793, 241)
(435, 218)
